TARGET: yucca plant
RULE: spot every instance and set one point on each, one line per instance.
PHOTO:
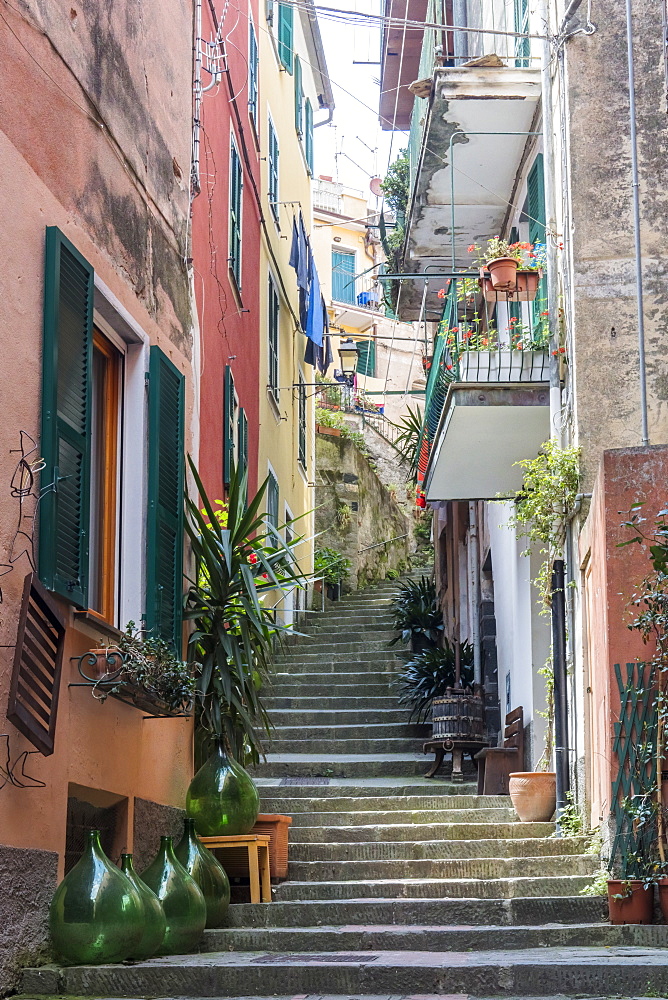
(428, 675)
(240, 560)
(417, 614)
(408, 441)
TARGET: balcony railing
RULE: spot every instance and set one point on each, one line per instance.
(358, 291)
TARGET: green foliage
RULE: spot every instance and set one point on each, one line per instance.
(331, 565)
(240, 560)
(423, 526)
(392, 574)
(550, 486)
(336, 420)
(416, 612)
(149, 662)
(599, 884)
(344, 515)
(547, 673)
(570, 818)
(408, 441)
(395, 187)
(428, 674)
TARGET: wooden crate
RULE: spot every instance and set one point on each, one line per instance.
(235, 861)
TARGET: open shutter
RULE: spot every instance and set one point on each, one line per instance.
(65, 440)
(366, 357)
(536, 211)
(299, 98)
(242, 424)
(228, 424)
(285, 35)
(308, 134)
(164, 567)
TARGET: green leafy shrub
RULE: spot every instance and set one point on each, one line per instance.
(150, 663)
(331, 565)
(416, 614)
(429, 674)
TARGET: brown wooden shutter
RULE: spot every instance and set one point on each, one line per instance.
(33, 695)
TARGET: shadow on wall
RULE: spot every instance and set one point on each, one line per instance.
(355, 513)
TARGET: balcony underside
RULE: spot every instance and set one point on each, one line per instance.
(482, 433)
(474, 138)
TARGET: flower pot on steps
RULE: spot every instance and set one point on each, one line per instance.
(629, 902)
(534, 795)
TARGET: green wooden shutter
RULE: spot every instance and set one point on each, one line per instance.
(272, 164)
(366, 358)
(285, 36)
(242, 437)
(536, 211)
(228, 424)
(272, 499)
(308, 134)
(522, 45)
(252, 74)
(236, 187)
(514, 308)
(299, 97)
(301, 433)
(164, 560)
(66, 433)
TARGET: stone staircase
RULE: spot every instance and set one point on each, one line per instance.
(398, 885)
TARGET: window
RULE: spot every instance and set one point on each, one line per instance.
(522, 45)
(536, 213)
(273, 329)
(252, 75)
(308, 135)
(286, 35)
(301, 444)
(105, 415)
(236, 187)
(366, 357)
(272, 499)
(273, 170)
(299, 98)
(343, 276)
(229, 410)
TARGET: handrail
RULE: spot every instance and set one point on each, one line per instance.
(386, 542)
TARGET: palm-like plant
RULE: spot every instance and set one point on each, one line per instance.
(408, 441)
(429, 674)
(240, 560)
(417, 614)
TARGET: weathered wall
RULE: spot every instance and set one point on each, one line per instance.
(344, 476)
(609, 576)
(607, 395)
(28, 879)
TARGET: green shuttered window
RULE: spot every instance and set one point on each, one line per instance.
(366, 357)
(164, 568)
(301, 447)
(522, 45)
(286, 36)
(66, 431)
(308, 135)
(242, 437)
(272, 499)
(236, 188)
(273, 330)
(536, 211)
(272, 164)
(228, 424)
(253, 74)
(299, 98)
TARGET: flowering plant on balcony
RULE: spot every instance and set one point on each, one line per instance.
(529, 256)
(529, 338)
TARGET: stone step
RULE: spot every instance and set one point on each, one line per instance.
(380, 626)
(440, 912)
(391, 730)
(333, 701)
(330, 717)
(348, 765)
(410, 801)
(335, 820)
(332, 621)
(342, 852)
(343, 647)
(434, 888)
(584, 971)
(490, 868)
(430, 938)
(398, 833)
(331, 663)
(336, 746)
(355, 686)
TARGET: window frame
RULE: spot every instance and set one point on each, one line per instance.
(273, 154)
(299, 98)
(285, 36)
(235, 213)
(273, 498)
(308, 135)
(301, 421)
(273, 339)
(253, 76)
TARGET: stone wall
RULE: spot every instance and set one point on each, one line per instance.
(355, 510)
(28, 880)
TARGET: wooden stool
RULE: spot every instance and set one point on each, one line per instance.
(257, 846)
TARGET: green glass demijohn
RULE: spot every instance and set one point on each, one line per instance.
(207, 871)
(96, 914)
(155, 924)
(182, 900)
(222, 798)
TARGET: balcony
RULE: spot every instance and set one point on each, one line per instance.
(487, 398)
(357, 300)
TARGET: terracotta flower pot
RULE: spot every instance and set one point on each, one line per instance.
(503, 273)
(524, 289)
(633, 905)
(534, 795)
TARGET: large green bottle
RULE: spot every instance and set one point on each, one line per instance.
(222, 798)
(181, 898)
(96, 914)
(207, 872)
(155, 923)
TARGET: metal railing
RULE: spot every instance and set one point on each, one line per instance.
(356, 290)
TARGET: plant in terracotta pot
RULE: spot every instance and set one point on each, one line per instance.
(631, 894)
(502, 260)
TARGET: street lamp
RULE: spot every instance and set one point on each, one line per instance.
(349, 353)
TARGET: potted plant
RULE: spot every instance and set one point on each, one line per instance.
(512, 268)
(333, 568)
(428, 675)
(417, 615)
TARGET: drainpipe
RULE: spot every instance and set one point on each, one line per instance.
(475, 589)
(636, 226)
(561, 762)
(460, 18)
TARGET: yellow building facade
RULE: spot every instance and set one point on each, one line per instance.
(294, 91)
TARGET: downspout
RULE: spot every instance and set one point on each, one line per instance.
(475, 589)
(636, 227)
(460, 18)
(558, 608)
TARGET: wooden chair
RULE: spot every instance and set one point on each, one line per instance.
(257, 847)
(495, 764)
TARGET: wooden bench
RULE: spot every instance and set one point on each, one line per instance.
(495, 764)
(257, 848)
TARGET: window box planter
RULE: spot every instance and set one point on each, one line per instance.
(330, 431)
(523, 289)
(503, 365)
(104, 671)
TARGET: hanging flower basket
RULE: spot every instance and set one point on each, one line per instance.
(525, 288)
